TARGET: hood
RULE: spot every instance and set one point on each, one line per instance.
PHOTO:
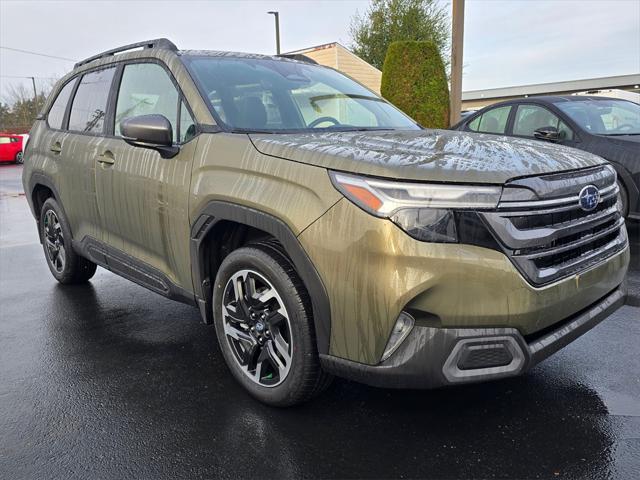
(434, 155)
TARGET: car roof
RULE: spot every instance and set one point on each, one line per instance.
(548, 99)
(162, 47)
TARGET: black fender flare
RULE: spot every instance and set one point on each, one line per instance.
(34, 180)
(216, 211)
(633, 193)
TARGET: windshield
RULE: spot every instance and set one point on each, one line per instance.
(268, 95)
(604, 117)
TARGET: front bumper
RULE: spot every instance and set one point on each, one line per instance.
(433, 357)
(372, 271)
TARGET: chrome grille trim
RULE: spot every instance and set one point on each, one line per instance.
(610, 190)
(548, 239)
(550, 274)
(583, 241)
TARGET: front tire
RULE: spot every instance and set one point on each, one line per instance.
(263, 321)
(19, 158)
(65, 265)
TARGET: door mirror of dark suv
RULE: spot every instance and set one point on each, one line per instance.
(551, 134)
(150, 131)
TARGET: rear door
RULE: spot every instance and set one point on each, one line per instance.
(142, 197)
(75, 151)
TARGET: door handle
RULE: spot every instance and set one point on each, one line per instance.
(56, 148)
(106, 158)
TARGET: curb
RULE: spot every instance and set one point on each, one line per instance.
(633, 289)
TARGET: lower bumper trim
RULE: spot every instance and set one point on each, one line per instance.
(432, 357)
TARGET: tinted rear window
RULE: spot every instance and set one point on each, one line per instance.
(90, 102)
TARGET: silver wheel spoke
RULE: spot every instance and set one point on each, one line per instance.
(62, 257)
(282, 347)
(250, 285)
(277, 362)
(237, 289)
(266, 295)
(231, 312)
(237, 333)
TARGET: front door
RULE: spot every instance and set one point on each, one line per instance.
(142, 197)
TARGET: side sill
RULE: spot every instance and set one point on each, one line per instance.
(132, 269)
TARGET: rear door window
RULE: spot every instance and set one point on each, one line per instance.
(491, 121)
(90, 102)
(56, 113)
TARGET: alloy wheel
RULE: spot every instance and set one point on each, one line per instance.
(257, 328)
(54, 240)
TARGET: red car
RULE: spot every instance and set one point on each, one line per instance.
(10, 148)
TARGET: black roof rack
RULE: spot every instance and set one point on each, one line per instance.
(162, 43)
(299, 57)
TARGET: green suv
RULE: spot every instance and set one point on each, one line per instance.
(321, 231)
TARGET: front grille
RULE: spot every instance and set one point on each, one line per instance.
(545, 232)
(558, 218)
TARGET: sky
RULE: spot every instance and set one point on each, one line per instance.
(507, 42)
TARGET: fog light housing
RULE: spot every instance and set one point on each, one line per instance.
(401, 329)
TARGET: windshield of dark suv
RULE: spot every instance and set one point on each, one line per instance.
(604, 117)
(270, 95)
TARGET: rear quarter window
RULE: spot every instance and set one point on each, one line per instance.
(56, 113)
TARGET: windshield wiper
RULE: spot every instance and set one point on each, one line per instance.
(313, 101)
(619, 134)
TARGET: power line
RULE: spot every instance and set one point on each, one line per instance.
(29, 77)
(37, 53)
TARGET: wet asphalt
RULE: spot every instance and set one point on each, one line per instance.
(109, 380)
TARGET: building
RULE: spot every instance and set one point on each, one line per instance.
(337, 56)
(476, 99)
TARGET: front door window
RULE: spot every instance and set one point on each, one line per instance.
(530, 118)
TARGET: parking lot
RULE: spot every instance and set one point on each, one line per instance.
(109, 380)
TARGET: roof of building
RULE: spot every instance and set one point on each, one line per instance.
(331, 45)
(318, 47)
(554, 87)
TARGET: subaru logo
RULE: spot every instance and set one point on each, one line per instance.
(589, 198)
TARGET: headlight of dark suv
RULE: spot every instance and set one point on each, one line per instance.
(429, 212)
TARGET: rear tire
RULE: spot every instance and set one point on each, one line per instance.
(19, 158)
(267, 338)
(65, 265)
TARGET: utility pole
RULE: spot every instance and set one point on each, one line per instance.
(277, 18)
(457, 38)
(35, 97)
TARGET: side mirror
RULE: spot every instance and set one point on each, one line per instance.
(551, 134)
(150, 131)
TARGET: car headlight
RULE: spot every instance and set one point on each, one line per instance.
(426, 211)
